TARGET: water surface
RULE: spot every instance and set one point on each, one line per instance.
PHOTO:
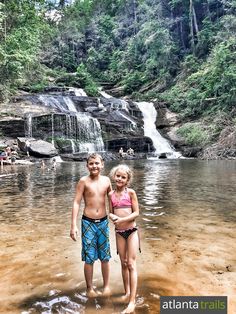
(187, 224)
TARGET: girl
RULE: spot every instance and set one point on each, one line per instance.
(124, 210)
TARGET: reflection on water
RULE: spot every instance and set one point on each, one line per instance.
(40, 266)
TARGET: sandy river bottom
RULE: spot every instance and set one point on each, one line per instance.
(41, 272)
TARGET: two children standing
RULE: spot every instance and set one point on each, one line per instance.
(124, 209)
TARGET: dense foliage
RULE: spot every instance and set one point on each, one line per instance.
(180, 52)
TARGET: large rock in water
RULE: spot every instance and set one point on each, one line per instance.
(38, 148)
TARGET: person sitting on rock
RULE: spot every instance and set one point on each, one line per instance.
(8, 151)
(121, 152)
(130, 151)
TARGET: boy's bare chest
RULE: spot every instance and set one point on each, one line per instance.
(95, 189)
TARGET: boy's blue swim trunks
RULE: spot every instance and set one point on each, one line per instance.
(95, 239)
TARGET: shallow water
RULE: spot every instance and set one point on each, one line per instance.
(187, 223)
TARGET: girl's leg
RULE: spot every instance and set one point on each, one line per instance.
(132, 248)
(122, 251)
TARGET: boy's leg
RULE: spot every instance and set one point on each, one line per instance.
(105, 267)
(103, 251)
(88, 274)
(89, 254)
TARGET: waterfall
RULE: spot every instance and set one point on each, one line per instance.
(90, 138)
(28, 128)
(70, 105)
(80, 129)
(53, 102)
(160, 144)
(73, 146)
(52, 129)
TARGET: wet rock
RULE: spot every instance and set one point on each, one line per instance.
(12, 127)
(38, 148)
(138, 144)
(162, 156)
(165, 118)
(191, 152)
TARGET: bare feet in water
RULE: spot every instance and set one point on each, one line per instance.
(123, 298)
(130, 308)
(106, 292)
(91, 293)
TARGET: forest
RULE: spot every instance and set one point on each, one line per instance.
(179, 53)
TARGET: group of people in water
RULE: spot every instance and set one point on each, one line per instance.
(129, 152)
(53, 165)
(123, 211)
(10, 153)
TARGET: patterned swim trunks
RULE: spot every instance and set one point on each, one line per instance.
(95, 239)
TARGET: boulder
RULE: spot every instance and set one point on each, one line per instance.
(38, 148)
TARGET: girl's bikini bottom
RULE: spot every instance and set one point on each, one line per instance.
(125, 233)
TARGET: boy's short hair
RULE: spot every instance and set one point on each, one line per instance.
(93, 156)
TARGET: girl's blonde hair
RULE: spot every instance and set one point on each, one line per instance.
(124, 168)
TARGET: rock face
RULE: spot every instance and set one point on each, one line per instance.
(12, 127)
(54, 117)
(168, 123)
(224, 148)
(138, 144)
(165, 118)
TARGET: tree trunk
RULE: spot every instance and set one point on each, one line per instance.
(195, 20)
(135, 16)
(191, 25)
(208, 9)
(182, 34)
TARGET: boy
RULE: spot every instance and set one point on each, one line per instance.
(94, 226)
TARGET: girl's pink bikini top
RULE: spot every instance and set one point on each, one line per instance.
(124, 201)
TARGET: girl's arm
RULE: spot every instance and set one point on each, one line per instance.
(111, 215)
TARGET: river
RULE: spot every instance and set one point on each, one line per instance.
(187, 224)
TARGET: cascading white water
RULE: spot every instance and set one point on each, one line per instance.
(53, 102)
(90, 133)
(83, 130)
(160, 144)
(90, 136)
(28, 131)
